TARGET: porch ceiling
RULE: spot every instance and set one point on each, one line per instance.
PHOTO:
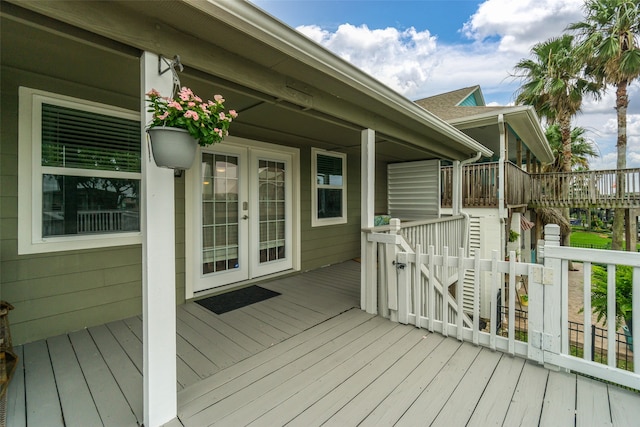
(286, 88)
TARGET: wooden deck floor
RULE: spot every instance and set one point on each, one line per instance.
(307, 357)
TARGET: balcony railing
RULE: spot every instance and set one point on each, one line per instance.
(601, 188)
(578, 189)
(480, 185)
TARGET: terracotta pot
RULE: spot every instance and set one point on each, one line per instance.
(172, 148)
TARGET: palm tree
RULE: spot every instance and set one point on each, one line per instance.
(582, 149)
(609, 46)
(554, 85)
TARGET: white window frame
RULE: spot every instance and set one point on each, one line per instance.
(315, 221)
(30, 171)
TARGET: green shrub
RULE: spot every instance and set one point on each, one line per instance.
(624, 286)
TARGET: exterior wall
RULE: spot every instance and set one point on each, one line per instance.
(61, 291)
(326, 245)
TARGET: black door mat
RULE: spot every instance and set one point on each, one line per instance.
(236, 299)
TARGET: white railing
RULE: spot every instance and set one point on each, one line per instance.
(558, 350)
(105, 221)
(417, 298)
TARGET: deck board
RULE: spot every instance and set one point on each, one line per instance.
(304, 358)
(217, 324)
(493, 405)
(388, 397)
(77, 404)
(625, 407)
(526, 402)
(199, 396)
(314, 391)
(559, 405)
(41, 394)
(592, 408)
(112, 405)
(125, 372)
(436, 394)
(235, 397)
(328, 405)
(462, 402)
(16, 401)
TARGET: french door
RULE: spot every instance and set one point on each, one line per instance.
(241, 213)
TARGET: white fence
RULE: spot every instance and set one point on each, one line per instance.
(416, 283)
(106, 221)
(555, 337)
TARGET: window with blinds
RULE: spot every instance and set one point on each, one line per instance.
(79, 164)
(89, 166)
(329, 188)
(79, 139)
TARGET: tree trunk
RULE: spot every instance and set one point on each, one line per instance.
(565, 132)
(622, 101)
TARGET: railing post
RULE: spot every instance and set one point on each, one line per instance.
(552, 301)
(392, 275)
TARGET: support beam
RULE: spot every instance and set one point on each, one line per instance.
(529, 162)
(158, 269)
(368, 276)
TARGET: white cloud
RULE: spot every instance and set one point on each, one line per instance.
(401, 59)
(519, 24)
(416, 64)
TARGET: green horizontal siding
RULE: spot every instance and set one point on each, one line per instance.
(59, 292)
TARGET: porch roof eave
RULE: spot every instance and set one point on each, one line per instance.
(241, 32)
(522, 119)
(378, 97)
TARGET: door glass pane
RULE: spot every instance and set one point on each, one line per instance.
(271, 218)
(219, 213)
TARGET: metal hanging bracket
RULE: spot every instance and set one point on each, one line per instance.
(170, 65)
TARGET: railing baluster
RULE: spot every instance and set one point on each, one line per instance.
(587, 310)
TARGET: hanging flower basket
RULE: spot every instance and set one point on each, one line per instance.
(172, 148)
(188, 120)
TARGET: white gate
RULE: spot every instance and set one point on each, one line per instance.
(428, 294)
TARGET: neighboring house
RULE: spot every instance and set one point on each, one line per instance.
(95, 232)
(495, 191)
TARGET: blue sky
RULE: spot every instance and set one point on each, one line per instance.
(425, 47)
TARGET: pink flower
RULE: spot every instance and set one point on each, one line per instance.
(185, 94)
(191, 114)
(163, 115)
(191, 104)
(175, 104)
(219, 99)
(153, 92)
(197, 98)
(204, 106)
(233, 113)
(222, 116)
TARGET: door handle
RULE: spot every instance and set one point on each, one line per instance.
(245, 216)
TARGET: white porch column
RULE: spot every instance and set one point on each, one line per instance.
(158, 269)
(368, 282)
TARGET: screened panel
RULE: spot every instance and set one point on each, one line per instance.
(74, 138)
